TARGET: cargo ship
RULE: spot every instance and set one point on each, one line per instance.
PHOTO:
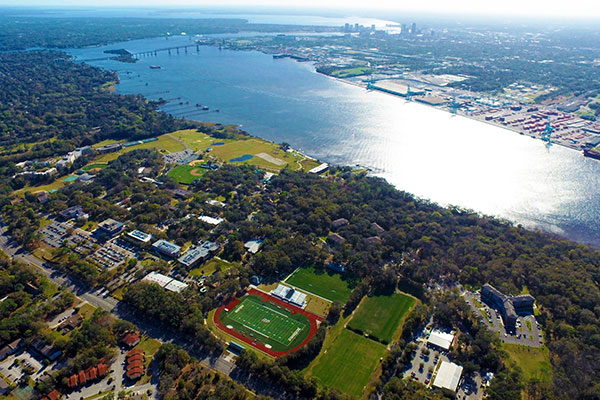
(591, 153)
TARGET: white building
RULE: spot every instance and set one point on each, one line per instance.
(165, 281)
(210, 220)
(440, 339)
(319, 169)
(448, 376)
(290, 295)
(253, 246)
(140, 236)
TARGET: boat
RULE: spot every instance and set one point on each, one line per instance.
(591, 154)
(155, 67)
(205, 108)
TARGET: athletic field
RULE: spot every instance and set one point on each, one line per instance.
(382, 316)
(273, 325)
(325, 284)
(349, 363)
(186, 174)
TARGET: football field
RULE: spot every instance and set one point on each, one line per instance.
(271, 324)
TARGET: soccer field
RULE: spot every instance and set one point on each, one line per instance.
(381, 316)
(268, 323)
(325, 284)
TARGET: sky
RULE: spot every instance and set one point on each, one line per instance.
(529, 8)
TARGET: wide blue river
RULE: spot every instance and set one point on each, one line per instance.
(448, 159)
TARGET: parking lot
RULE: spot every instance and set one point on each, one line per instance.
(528, 332)
(55, 233)
(424, 363)
(14, 367)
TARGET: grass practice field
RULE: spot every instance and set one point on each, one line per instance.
(268, 323)
(211, 266)
(328, 285)
(381, 316)
(186, 174)
(349, 363)
(534, 362)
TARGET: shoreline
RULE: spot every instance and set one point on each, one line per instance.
(574, 147)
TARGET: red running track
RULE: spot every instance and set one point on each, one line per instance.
(314, 319)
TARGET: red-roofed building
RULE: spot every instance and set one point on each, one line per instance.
(91, 373)
(135, 351)
(131, 339)
(54, 395)
(135, 373)
(135, 357)
(72, 381)
(82, 378)
(102, 369)
(135, 364)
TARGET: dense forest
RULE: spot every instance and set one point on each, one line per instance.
(25, 29)
(46, 96)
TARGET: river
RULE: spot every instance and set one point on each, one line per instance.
(451, 160)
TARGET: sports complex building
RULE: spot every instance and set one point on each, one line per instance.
(290, 295)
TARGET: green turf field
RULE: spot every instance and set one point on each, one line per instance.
(94, 166)
(197, 141)
(268, 323)
(381, 316)
(534, 362)
(183, 173)
(325, 284)
(349, 363)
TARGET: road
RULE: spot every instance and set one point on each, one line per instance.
(105, 302)
(221, 364)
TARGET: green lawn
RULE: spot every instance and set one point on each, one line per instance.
(209, 267)
(196, 140)
(94, 166)
(57, 184)
(164, 144)
(183, 173)
(349, 363)
(267, 323)
(534, 362)
(86, 310)
(264, 154)
(326, 284)
(381, 316)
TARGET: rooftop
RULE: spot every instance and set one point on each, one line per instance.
(139, 235)
(210, 220)
(448, 376)
(166, 247)
(110, 225)
(198, 253)
(165, 281)
(253, 246)
(441, 339)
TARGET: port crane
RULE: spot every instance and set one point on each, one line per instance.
(409, 93)
(370, 82)
(546, 135)
(454, 106)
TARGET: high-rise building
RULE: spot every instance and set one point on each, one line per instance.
(413, 28)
